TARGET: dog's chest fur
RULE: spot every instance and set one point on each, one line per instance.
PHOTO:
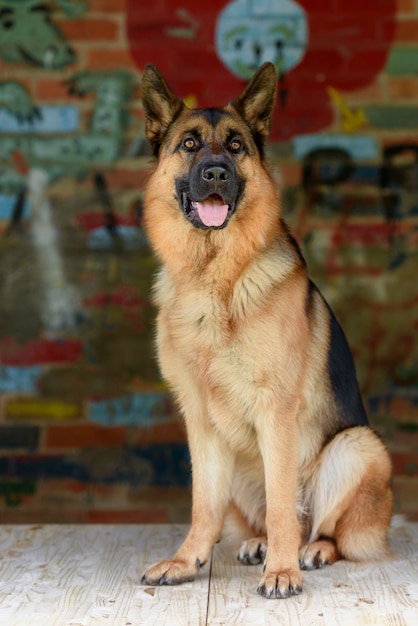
(224, 348)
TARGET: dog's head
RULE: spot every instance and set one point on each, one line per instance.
(209, 153)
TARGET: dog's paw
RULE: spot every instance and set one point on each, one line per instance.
(171, 572)
(281, 584)
(317, 554)
(253, 551)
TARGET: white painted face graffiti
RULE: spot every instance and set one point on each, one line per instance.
(250, 32)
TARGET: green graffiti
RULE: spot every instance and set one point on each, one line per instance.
(29, 36)
(16, 99)
(8, 145)
(10, 180)
(102, 144)
(77, 150)
(113, 92)
(13, 492)
(72, 8)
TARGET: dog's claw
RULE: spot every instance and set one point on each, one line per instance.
(172, 572)
(253, 551)
(282, 584)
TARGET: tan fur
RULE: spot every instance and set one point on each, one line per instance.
(248, 366)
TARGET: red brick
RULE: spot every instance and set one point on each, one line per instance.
(290, 174)
(127, 178)
(411, 138)
(405, 491)
(34, 515)
(403, 409)
(72, 486)
(171, 432)
(110, 59)
(50, 89)
(403, 88)
(404, 440)
(84, 436)
(407, 30)
(405, 6)
(88, 29)
(8, 74)
(40, 351)
(405, 464)
(371, 93)
(144, 516)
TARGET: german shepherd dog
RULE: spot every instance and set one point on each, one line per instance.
(280, 446)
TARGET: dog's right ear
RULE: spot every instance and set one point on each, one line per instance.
(160, 103)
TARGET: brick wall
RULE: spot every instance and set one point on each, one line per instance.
(88, 431)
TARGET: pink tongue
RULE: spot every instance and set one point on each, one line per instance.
(212, 212)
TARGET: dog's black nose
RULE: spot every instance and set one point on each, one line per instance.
(215, 174)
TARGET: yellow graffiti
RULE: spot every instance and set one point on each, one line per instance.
(42, 409)
(113, 269)
(351, 119)
(190, 101)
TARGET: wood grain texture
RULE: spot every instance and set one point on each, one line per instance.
(62, 575)
(344, 594)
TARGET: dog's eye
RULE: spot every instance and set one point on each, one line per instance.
(189, 143)
(235, 145)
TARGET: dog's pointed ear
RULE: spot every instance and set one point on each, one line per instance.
(161, 105)
(256, 102)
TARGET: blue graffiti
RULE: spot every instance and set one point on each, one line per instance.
(53, 119)
(357, 147)
(137, 466)
(132, 238)
(143, 409)
(7, 206)
(19, 379)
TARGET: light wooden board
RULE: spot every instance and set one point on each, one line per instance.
(344, 594)
(61, 575)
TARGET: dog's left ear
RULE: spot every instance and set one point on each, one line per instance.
(256, 102)
(161, 105)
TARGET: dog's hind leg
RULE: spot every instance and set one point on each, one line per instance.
(253, 551)
(318, 553)
(350, 499)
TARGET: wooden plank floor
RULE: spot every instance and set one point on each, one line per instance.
(62, 575)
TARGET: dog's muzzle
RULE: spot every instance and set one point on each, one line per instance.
(209, 195)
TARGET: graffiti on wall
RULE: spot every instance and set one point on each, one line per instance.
(314, 45)
(338, 181)
(42, 143)
(248, 35)
(51, 137)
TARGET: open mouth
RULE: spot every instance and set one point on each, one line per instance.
(212, 212)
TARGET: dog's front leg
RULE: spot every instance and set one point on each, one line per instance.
(278, 445)
(212, 466)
